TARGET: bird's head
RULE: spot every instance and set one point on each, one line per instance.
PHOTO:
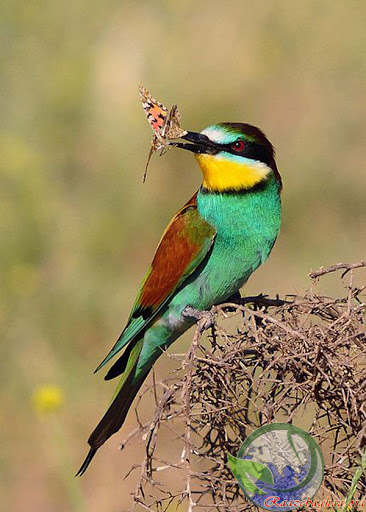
(232, 156)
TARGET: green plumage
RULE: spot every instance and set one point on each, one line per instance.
(235, 234)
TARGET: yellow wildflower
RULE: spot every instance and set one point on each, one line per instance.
(47, 400)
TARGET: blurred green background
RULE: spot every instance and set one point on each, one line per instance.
(78, 228)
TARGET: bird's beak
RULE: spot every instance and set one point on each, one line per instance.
(198, 143)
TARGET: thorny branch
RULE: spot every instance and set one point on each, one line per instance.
(300, 360)
(338, 266)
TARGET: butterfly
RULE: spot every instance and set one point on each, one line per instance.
(164, 122)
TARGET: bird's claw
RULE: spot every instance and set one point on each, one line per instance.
(205, 319)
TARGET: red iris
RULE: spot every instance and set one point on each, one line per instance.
(238, 145)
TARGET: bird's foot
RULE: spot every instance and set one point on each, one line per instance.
(205, 319)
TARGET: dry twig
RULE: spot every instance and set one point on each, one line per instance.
(288, 360)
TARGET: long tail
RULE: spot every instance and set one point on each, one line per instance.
(118, 409)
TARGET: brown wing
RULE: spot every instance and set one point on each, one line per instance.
(183, 246)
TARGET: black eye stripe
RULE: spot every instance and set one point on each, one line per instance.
(229, 147)
(251, 149)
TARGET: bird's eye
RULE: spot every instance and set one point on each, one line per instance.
(238, 145)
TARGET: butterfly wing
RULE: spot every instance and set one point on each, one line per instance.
(172, 128)
(155, 111)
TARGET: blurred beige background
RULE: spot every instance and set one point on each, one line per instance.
(78, 228)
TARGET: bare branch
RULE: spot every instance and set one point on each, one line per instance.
(334, 268)
(302, 355)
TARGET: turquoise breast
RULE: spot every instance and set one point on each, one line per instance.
(247, 226)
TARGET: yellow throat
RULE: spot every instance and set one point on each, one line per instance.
(220, 173)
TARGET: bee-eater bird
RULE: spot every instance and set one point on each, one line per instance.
(207, 252)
